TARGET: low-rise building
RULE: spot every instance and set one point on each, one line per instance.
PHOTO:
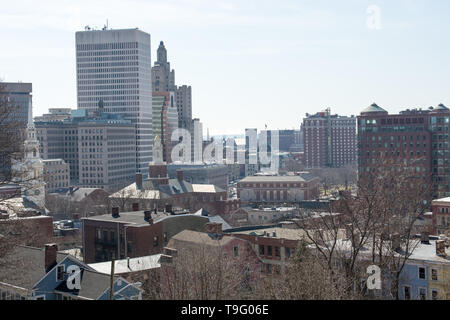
(278, 189)
(43, 274)
(441, 216)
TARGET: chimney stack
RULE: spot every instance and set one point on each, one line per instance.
(51, 251)
(425, 237)
(214, 228)
(147, 215)
(115, 212)
(139, 181)
(440, 248)
(180, 175)
(395, 241)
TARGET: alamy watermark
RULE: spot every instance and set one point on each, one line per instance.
(374, 17)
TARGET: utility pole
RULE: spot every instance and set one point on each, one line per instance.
(111, 285)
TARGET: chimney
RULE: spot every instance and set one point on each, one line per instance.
(170, 251)
(395, 241)
(115, 212)
(147, 215)
(425, 237)
(139, 181)
(50, 256)
(274, 234)
(214, 227)
(180, 175)
(128, 262)
(165, 259)
(440, 248)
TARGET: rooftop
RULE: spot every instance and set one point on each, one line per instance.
(373, 108)
(131, 217)
(305, 177)
(200, 238)
(126, 266)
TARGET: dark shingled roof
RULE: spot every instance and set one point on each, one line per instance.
(93, 284)
(25, 266)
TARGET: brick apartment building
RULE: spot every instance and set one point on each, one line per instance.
(417, 139)
(274, 246)
(278, 189)
(238, 252)
(133, 234)
(329, 140)
(441, 216)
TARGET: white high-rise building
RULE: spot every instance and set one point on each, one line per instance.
(114, 71)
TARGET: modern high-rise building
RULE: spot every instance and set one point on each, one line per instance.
(163, 78)
(14, 119)
(19, 97)
(114, 71)
(329, 140)
(416, 139)
(184, 106)
(165, 121)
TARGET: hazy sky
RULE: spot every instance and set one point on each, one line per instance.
(249, 63)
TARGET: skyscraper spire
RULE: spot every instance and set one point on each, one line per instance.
(162, 53)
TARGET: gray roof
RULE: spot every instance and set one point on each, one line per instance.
(130, 217)
(373, 108)
(441, 107)
(305, 177)
(93, 285)
(25, 266)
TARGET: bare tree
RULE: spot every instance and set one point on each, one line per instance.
(206, 272)
(306, 277)
(380, 217)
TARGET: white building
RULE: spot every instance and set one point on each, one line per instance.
(114, 66)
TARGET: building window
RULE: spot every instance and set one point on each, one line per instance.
(407, 292)
(236, 251)
(422, 294)
(261, 250)
(60, 273)
(165, 237)
(434, 294)
(269, 251)
(287, 252)
(155, 241)
(269, 268)
(434, 274)
(277, 251)
(422, 273)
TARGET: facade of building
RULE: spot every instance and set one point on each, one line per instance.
(184, 106)
(165, 120)
(55, 114)
(19, 96)
(133, 234)
(273, 245)
(163, 78)
(100, 150)
(441, 216)
(329, 140)
(56, 174)
(114, 69)
(278, 189)
(216, 174)
(418, 139)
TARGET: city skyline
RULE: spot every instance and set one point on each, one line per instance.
(272, 64)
